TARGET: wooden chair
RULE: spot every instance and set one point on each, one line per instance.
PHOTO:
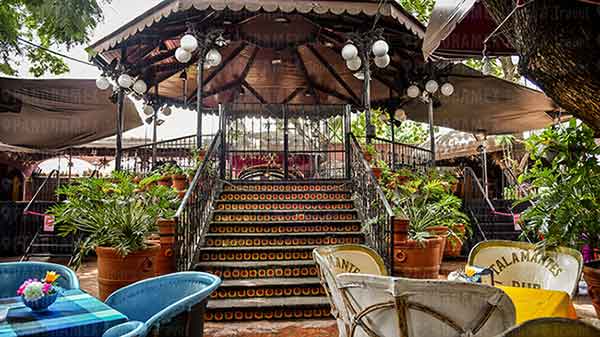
(334, 260)
(552, 327)
(382, 306)
(519, 264)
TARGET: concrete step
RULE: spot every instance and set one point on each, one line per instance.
(269, 287)
(269, 302)
(285, 211)
(289, 216)
(262, 282)
(278, 239)
(242, 270)
(287, 227)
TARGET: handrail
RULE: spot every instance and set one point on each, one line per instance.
(201, 169)
(372, 204)
(380, 193)
(26, 209)
(415, 147)
(469, 171)
(158, 143)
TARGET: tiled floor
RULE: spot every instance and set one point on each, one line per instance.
(310, 328)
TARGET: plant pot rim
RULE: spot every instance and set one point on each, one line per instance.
(179, 176)
(110, 251)
(428, 241)
(164, 178)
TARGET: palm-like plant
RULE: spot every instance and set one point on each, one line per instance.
(112, 213)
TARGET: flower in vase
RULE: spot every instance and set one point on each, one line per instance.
(51, 277)
(34, 291)
(21, 289)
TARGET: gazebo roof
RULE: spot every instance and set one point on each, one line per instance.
(280, 51)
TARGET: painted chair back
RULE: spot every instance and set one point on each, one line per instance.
(552, 327)
(398, 307)
(12, 275)
(334, 260)
(519, 264)
(168, 305)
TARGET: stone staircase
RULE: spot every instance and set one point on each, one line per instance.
(260, 243)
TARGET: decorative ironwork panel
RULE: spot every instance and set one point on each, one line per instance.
(400, 155)
(193, 214)
(372, 205)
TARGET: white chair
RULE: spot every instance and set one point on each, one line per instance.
(334, 260)
(519, 264)
(397, 307)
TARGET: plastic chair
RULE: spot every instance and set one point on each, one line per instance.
(519, 264)
(168, 305)
(334, 260)
(13, 274)
(552, 327)
(393, 306)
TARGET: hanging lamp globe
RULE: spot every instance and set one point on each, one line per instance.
(125, 81)
(354, 64)
(140, 87)
(382, 61)
(102, 83)
(447, 89)
(380, 48)
(413, 91)
(148, 110)
(166, 111)
(182, 55)
(432, 86)
(213, 58)
(349, 52)
(189, 43)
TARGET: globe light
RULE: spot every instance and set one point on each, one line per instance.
(166, 111)
(148, 110)
(431, 86)
(447, 89)
(213, 57)
(380, 48)
(125, 81)
(382, 61)
(413, 91)
(102, 83)
(182, 55)
(140, 87)
(354, 64)
(349, 52)
(189, 43)
(400, 115)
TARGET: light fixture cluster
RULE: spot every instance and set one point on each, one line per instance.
(149, 111)
(189, 44)
(431, 87)
(380, 50)
(124, 81)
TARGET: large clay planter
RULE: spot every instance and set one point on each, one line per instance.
(166, 258)
(418, 260)
(441, 231)
(591, 274)
(179, 182)
(368, 156)
(454, 245)
(115, 271)
(377, 171)
(400, 228)
(165, 181)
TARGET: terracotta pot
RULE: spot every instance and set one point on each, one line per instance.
(400, 228)
(418, 260)
(377, 171)
(165, 181)
(166, 258)
(179, 182)
(441, 231)
(115, 271)
(368, 156)
(181, 194)
(454, 245)
(591, 274)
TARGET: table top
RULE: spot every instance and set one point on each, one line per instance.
(537, 303)
(75, 313)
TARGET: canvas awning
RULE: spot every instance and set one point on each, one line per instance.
(486, 103)
(54, 114)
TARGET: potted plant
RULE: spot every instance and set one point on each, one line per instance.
(179, 178)
(566, 190)
(115, 219)
(369, 152)
(378, 167)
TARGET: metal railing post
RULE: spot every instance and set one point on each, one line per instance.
(222, 154)
(285, 142)
(347, 145)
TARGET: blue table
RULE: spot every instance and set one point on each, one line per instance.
(75, 314)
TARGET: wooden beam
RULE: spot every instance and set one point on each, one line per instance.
(304, 71)
(292, 95)
(226, 86)
(139, 67)
(254, 92)
(333, 72)
(334, 93)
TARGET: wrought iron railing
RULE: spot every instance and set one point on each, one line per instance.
(399, 155)
(141, 159)
(372, 204)
(193, 214)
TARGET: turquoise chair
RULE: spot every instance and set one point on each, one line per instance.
(13, 274)
(170, 305)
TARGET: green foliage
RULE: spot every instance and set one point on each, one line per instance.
(49, 23)
(112, 213)
(421, 9)
(426, 199)
(566, 178)
(408, 133)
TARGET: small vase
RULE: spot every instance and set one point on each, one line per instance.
(41, 304)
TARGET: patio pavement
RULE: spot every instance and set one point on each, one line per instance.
(304, 328)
